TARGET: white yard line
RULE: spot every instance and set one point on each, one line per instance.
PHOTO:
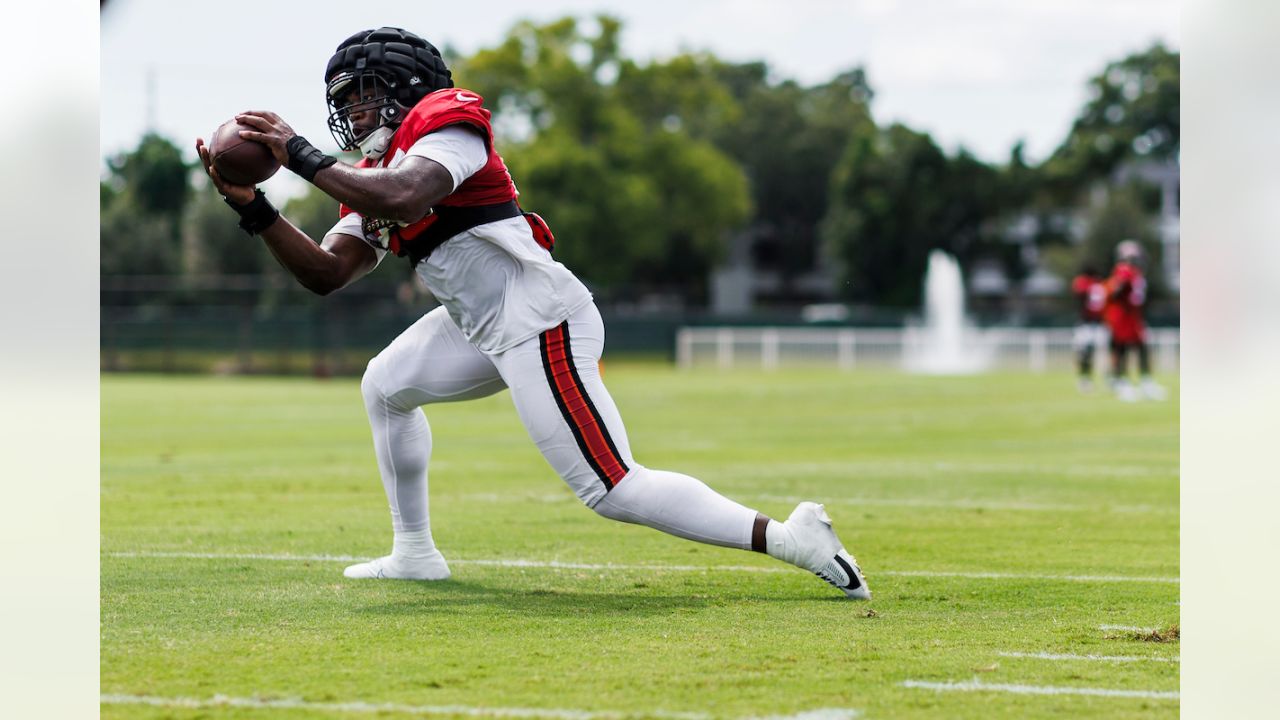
(1129, 628)
(223, 701)
(1096, 658)
(820, 714)
(1024, 576)
(558, 565)
(879, 469)
(974, 504)
(975, 686)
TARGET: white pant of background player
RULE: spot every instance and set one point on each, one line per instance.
(556, 387)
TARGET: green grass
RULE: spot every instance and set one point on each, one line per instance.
(1010, 473)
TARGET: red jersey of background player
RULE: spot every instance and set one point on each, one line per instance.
(490, 185)
(1091, 295)
(1126, 295)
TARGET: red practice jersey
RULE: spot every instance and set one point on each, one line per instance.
(490, 185)
(1091, 296)
(1126, 296)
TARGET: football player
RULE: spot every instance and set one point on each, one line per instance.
(1126, 298)
(432, 188)
(1090, 292)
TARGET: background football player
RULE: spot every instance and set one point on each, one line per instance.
(1090, 293)
(1126, 300)
(432, 188)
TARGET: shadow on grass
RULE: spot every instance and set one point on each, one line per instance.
(455, 597)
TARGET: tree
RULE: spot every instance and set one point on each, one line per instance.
(787, 139)
(1133, 113)
(134, 242)
(636, 202)
(141, 205)
(155, 175)
(895, 196)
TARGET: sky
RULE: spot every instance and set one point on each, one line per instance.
(978, 74)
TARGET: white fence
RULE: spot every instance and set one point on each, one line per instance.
(1004, 348)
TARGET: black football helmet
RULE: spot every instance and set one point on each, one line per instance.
(387, 70)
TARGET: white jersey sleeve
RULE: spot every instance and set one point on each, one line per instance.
(461, 151)
(353, 224)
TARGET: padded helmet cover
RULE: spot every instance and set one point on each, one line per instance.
(411, 66)
(388, 70)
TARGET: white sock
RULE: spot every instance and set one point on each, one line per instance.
(780, 543)
(679, 505)
(412, 546)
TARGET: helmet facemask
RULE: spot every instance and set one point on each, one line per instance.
(355, 93)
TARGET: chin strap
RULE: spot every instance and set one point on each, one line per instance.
(305, 159)
(375, 144)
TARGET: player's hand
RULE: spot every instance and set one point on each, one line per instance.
(272, 131)
(238, 194)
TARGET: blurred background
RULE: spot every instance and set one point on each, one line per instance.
(735, 184)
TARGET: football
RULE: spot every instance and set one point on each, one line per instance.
(240, 161)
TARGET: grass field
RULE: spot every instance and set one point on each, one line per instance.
(1011, 530)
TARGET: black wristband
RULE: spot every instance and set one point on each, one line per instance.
(305, 159)
(257, 214)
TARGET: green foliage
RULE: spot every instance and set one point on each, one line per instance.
(154, 176)
(1133, 113)
(896, 196)
(634, 198)
(141, 205)
(788, 139)
(136, 243)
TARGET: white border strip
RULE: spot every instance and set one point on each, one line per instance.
(1129, 628)
(975, 686)
(1101, 658)
(558, 565)
(223, 701)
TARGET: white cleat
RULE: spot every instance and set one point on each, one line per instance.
(822, 553)
(431, 567)
(1126, 392)
(1152, 390)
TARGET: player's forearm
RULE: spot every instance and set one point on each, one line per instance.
(317, 269)
(389, 194)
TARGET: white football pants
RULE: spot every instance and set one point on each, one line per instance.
(556, 387)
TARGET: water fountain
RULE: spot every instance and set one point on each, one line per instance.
(946, 344)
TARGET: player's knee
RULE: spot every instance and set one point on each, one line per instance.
(370, 384)
(613, 507)
(617, 504)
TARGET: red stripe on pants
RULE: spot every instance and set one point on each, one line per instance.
(573, 399)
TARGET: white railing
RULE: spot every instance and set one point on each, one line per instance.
(1005, 348)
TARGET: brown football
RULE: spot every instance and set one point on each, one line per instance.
(240, 161)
